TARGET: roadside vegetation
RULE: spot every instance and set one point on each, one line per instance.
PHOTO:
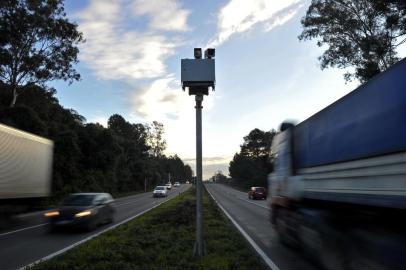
(251, 165)
(163, 239)
(116, 158)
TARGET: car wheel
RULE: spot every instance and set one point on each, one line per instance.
(91, 226)
(111, 219)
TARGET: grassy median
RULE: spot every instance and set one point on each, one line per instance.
(163, 239)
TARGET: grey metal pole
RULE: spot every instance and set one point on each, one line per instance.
(199, 244)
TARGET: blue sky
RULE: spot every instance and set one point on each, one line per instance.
(130, 64)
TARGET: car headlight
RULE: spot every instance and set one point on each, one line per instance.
(51, 214)
(84, 213)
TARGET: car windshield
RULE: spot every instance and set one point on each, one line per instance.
(160, 188)
(78, 200)
(260, 189)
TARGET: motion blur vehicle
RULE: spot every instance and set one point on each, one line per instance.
(25, 170)
(160, 191)
(339, 184)
(177, 184)
(257, 193)
(83, 210)
(168, 185)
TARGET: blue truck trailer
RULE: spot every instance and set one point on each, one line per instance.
(338, 188)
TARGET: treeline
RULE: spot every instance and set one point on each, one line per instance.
(251, 166)
(87, 156)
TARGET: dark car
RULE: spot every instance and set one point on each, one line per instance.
(83, 210)
(257, 193)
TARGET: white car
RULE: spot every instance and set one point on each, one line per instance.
(168, 185)
(177, 184)
(160, 191)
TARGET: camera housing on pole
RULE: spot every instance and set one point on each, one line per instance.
(198, 75)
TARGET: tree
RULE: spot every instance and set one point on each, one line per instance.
(250, 167)
(37, 44)
(156, 140)
(257, 143)
(362, 34)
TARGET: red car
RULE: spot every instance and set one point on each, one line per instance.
(257, 193)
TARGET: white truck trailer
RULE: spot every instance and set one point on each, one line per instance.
(25, 169)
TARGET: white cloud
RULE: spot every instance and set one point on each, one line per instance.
(239, 16)
(115, 52)
(164, 14)
(164, 101)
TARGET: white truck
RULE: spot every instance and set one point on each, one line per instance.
(25, 169)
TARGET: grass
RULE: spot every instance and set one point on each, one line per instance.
(163, 239)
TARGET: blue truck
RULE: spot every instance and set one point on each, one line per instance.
(338, 188)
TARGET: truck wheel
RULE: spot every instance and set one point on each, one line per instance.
(322, 245)
(332, 255)
(284, 229)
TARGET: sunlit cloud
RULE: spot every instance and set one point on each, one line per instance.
(115, 52)
(239, 16)
(164, 14)
(164, 101)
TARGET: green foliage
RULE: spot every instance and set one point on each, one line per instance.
(155, 139)
(163, 239)
(37, 43)
(90, 157)
(362, 34)
(251, 166)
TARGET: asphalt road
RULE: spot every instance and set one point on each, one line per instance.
(30, 240)
(253, 217)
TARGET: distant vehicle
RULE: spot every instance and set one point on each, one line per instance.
(257, 193)
(177, 184)
(160, 191)
(187, 182)
(25, 170)
(83, 210)
(339, 180)
(168, 185)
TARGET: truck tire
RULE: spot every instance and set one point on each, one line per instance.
(323, 245)
(333, 256)
(284, 227)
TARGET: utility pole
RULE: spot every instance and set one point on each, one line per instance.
(198, 75)
(199, 244)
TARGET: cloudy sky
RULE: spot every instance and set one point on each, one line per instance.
(130, 64)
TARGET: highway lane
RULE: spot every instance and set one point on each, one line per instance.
(253, 217)
(23, 245)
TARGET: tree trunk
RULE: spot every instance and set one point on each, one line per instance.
(14, 96)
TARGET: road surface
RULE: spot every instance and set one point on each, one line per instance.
(31, 241)
(253, 217)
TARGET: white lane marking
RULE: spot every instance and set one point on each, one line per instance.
(50, 256)
(257, 204)
(23, 229)
(260, 252)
